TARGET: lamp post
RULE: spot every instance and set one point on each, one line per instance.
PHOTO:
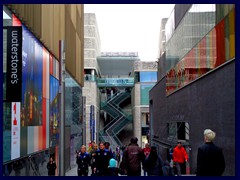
(62, 102)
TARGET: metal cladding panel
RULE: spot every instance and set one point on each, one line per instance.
(116, 65)
(180, 10)
(53, 22)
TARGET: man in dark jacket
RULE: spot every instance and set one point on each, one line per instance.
(210, 159)
(133, 156)
(102, 160)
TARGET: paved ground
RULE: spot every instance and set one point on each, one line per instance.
(73, 172)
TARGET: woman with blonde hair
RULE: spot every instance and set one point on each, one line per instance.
(83, 161)
(210, 159)
(93, 156)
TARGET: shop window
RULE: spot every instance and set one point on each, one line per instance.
(178, 131)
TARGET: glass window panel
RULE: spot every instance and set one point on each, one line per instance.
(73, 116)
(148, 76)
(194, 27)
(145, 93)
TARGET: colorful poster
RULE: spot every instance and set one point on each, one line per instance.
(15, 141)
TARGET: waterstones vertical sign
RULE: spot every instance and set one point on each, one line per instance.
(14, 64)
(14, 84)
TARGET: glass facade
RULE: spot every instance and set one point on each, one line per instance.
(145, 88)
(145, 76)
(214, 49)
(73, 120)
(34, 165)
(197, 22)
(148, 76)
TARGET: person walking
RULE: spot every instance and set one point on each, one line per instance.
(93, 156)
(113, 167)
(90, 146)
(133, 156)
(146, 152)
(167, 169)
(180, 158)
(153, 163)
(51, 166)
(210, 159)
(83, 161)
(107, 146)
(102, 160)
(118, 157)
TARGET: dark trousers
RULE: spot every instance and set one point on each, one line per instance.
(183, 167)
(134, 173)
(179, 168)
(83, 172)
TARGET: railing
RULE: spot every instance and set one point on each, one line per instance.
(115, 82)
(119, 125)
(121, 119)
(121, 98)
(90, 78)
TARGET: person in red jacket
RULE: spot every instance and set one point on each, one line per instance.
(146, 152)
(180, 158)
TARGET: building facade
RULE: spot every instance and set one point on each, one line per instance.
(31, 35)
(198, 90)
(92, 49)
(145, 77)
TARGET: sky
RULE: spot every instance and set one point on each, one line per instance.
(130, 27)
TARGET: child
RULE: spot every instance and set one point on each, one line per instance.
(112, 168)
(167, 169)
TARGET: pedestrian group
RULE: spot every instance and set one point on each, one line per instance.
(106, 162)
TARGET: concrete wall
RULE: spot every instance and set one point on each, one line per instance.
(91, 92)
(91, 51)
(92, 43)
(136, 92)
(208, 102)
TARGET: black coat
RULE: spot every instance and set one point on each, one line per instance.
(51, 168)
(210, 160)
(102, 161)
(154, 170)
(133, 156)
(83, 160)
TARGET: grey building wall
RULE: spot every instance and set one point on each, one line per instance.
(137, 108)
(92, 49)
(162, 37)
(180, 11)
(92, 42)
(209, 102)
(162, 66)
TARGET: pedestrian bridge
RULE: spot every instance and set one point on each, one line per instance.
(115, 82)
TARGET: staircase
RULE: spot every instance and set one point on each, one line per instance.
(120, 118)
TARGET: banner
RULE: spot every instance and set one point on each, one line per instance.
(14, 64)
(15, 138)
(92, 122)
